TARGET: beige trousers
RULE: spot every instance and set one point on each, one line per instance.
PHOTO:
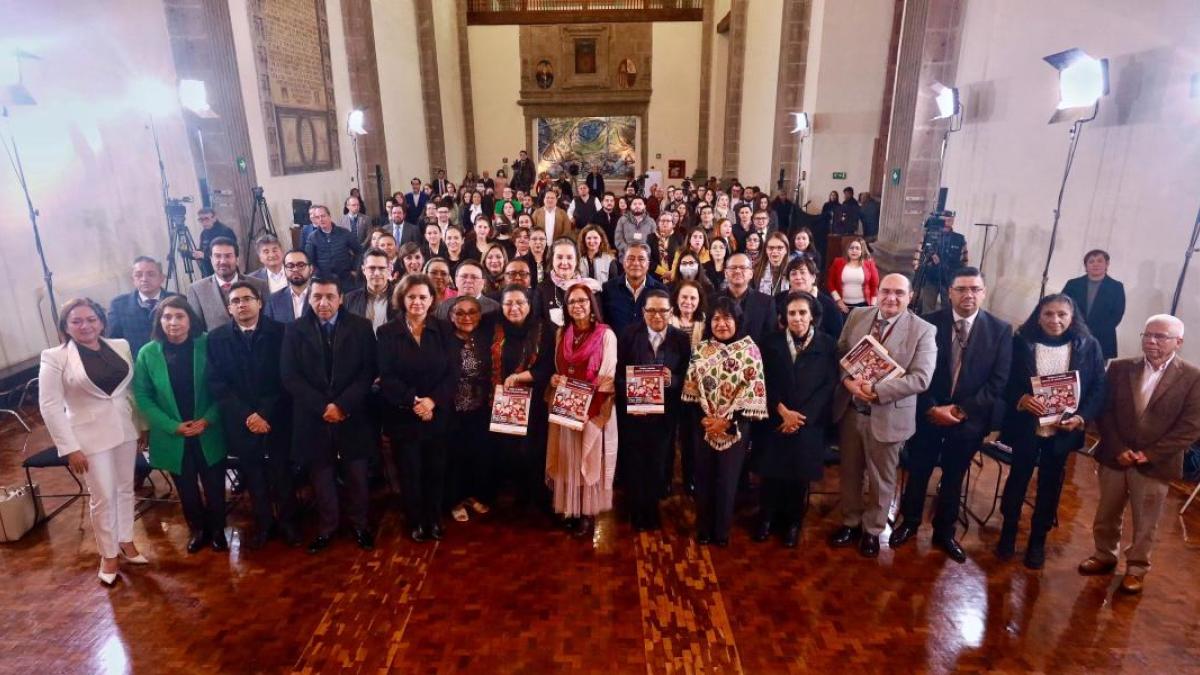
(1145, 497)
(863, 457)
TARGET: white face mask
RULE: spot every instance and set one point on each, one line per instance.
(688, 270)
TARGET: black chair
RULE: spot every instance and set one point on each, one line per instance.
(49, 459)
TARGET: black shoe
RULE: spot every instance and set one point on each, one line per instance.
(792, 537)
(290, 536)
(569, 524)
(219, 543)
(763, 531)
(1007, 546)
(690, 489)
(364, 540)
(436, 531)
(320, 543)
(584, 529)
(197, 541)
(1035, 554)
(654, 521)
(703, 538)
(952, 548)
(721, 541)
(419, 534)
(845, 536)
(903, 532)
(868, 546)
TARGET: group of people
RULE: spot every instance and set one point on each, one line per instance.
(336, 365)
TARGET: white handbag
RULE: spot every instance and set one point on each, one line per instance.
(20, 510)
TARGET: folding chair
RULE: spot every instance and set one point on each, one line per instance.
(49, 459)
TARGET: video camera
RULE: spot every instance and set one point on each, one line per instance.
(177, 211)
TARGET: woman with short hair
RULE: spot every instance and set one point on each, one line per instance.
(85, 400)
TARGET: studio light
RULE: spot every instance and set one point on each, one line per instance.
(801, 127)
(12, 85)
(801, 122)
(947, 101)
(193, 96)
(1082, 82)
(354, 123)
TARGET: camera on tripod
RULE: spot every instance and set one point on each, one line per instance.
(177, 210)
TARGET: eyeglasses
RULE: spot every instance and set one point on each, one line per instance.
(515, 303)
(517, 275)
(242, 300)
(295, 266)
(470, 277)
(375, 268)
(656, 311)
(579, 301)
(466, 312)
(973, 290)
(1158, 337)
(738, 268)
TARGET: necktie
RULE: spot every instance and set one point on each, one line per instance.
(957, 347)
(248, 335)
(225, 288)
(877, 331)
(655, 342)
(150, 304)
(327, 332)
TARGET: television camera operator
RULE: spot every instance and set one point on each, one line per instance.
(942, 251)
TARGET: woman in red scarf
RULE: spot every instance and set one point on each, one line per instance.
(580, 465)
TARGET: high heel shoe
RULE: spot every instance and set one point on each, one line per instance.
(106, 578)
(138, 559)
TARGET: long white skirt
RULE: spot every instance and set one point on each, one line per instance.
(572, 495)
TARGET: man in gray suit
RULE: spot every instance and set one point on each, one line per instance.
(210, 295)
(875, 420)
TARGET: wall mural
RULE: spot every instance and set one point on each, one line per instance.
(295, 83)
(607, 141)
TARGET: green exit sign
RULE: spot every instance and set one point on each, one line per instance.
(839, 175)
(895, 176)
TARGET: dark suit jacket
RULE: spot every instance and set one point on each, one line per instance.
(831, 317)
(617, 303)
(302, 368)
(595, 183)
(355, 302)
(1019, 428)
(608, 221)
(408, 370)
(127, 320)
(244, 379)
(633, 349)
(279, 306)
(986, 364)
(758, 314)
(414, 209)
(805, 385)
(1105, 313)
(1168, 427)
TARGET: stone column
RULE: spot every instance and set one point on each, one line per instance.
(464, 71)
(733, 88)
(706, 51)
(359, 28)
(793, 66)
(431, 93)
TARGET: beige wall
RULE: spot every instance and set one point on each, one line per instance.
(325, 187)
(1132, 190)
(445, 31)
(674, 116)
(844, 88)
(716, 95)
(495, 87)
(400, 90)
(758, 92)
(89, 159)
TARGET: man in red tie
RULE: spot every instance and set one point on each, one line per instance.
(210, 295)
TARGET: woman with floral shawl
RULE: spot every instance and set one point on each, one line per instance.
(725, 378)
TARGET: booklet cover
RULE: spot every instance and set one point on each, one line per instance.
(1059, 393)
(571, 402)
(510, 410)
(645, 389)
(869, 360)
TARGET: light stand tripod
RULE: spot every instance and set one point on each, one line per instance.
(179, 238)
(14, 158)
(260, 217)
(1187, 259)
(1076, 130)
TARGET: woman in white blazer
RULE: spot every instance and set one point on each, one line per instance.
(86, 402)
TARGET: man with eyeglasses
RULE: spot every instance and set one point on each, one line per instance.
(964, 402)
(210, 229)
(623, 297)
(210, 295)
(374, 300)
(758, 309)
(468, 279)
(288, 304)
(647, 439)
(876, 419)
(243, 374)
(1151, 417)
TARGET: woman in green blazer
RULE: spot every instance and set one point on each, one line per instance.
(170, 385)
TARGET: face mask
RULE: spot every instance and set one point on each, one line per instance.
(688, 270)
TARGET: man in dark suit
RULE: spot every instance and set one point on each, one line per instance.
(758, 309)
(373, 301)
(129, 316)
(522, 170)
(414, 202)
(607, 216)
(331, 250)
(963, 404)
(595, 180)
(440, 184)
(623, 297)
(243, 374)
(288, 304)
(1100, 299)
(402, 229)
(330, 427)
(647, 439)
(210, 230)
(1151, 417)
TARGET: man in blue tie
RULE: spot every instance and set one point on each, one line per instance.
(414, 202)
(129, 316)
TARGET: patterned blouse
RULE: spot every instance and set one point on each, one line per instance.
(726, 379)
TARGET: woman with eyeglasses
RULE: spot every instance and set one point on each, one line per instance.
(522, 355)
(725, 380)
(1054, 339)
(802, 276)
(85, 401)
(471, 484)
(853, 277)
(581, 465)
(769, 272)
(439, 275)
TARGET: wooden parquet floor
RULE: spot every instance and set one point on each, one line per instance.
(506, 593)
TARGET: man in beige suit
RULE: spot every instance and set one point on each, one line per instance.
(876, 420)
(1151, 416)
(553, 218)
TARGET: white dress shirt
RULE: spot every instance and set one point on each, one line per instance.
(1150, 379)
